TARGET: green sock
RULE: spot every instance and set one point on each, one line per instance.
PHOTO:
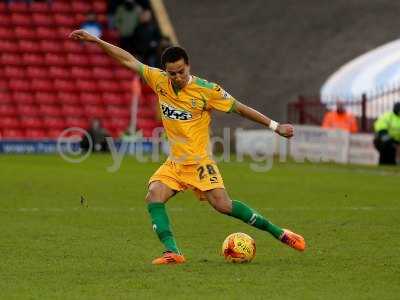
(160, 221)
(246, 214)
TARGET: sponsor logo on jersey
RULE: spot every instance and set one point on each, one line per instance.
(174, 113)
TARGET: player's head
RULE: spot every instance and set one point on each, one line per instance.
(175, 62)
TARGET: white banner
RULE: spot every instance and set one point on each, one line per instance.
(362, 150)
(319, 145)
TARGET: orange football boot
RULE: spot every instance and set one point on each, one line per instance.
(169, 258)
(293, 240)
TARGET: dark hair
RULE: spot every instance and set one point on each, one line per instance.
(173, 54)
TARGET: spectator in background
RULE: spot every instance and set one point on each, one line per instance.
(387, 135)
(165, 42)
(146, 38)
(340, 119)
(126, 20)
(97, 136)
(91, 25)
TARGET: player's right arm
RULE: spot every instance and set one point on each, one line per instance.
(123, 57)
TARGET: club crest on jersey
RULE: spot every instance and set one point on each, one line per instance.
(174, 113)
(193, 103)
(225, 94)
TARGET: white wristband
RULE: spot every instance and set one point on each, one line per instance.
(273, 125)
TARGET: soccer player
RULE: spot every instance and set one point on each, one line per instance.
(185, 103)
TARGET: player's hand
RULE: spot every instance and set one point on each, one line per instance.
(82, 35)
(285, 130)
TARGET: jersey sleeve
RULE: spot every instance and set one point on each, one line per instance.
(219, 99)
(150, 75)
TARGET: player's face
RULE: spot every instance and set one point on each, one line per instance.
(178, 72)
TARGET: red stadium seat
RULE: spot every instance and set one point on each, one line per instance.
(59, 72)
(81, 7)
(64, 85)
(18, 6)
(42, 97)
(33, 59)
(8, 46)
(146, 124)
(31, 122)
(47, 33)
(23, 97)
(19, 19)
(81, 73)
(35, 134)
(111, 35)
(102, 73)
(29, 46)
(5, 97)
(13, 133)
(71, 46)
(100, 60)
(7, 110)
(86, 85)
(122, 73)
(113, 98)
(25, 33)
(37, 72)
(93, 48)
(54, 133)
(72, 110)
(50, 110)
(77, 59)
(7, 33)
(42, 85)
(119, 124)
(3, 84)
(19, 85)
(50, 46)
(28, 110)
(126, 85)
(92, 111)
(9, 123)
(52, 59)
(63, 32)
(90, 98)
(42, 19)
(54, 123)
(108, 86)
(11, 59)
(39, 7)
(3, 7)
(65, 20)
(5, 20)
(14, 72)
(146, 113)
(100, 7)
(68, 98)
(118, 112)
(76, 122)
(61, 7)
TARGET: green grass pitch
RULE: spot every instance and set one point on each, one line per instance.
(53, 247)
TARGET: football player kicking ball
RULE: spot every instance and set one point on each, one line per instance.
(186, 102)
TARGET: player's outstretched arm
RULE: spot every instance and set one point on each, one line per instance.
(285, 130)
(123, 57)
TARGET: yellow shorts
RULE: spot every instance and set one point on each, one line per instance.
(200, 177)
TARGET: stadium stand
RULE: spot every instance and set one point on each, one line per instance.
(49, 83)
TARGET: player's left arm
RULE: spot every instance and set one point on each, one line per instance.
(285, 130)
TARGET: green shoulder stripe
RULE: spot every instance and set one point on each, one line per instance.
(204, 83)
(141, 70)
(233, 107)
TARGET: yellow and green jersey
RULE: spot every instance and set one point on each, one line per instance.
(186, 114)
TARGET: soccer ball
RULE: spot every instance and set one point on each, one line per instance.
(239, 248)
